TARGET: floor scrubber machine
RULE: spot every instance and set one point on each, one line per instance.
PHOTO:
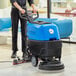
(44, 44)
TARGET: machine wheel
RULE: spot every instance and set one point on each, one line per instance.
(15, 62)
(34, 61)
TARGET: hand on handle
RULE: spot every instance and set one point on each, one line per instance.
(22, 11)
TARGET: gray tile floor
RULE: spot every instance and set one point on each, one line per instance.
(26, 69)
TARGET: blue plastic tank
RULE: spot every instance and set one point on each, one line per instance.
(42, 32)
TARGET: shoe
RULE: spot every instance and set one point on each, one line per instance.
(26, 57)
(13, 55)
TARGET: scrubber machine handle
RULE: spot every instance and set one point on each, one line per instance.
(29, 15)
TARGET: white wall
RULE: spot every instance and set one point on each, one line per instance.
(43, 3)
(4, 3)
(4, 13)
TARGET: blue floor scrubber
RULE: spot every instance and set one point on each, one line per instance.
(44, 44)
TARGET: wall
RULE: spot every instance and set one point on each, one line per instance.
(4, 3)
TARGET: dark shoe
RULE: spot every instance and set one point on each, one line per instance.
(13, 55)
(26, 57)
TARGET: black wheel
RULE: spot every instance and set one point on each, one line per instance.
(34, 61)
(15, 62)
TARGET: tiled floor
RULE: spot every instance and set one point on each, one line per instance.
(26, 69)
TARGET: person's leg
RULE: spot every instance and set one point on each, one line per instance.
(24, 40)
(15, 19)
(23, 34)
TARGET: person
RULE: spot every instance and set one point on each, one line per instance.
(16, 8)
